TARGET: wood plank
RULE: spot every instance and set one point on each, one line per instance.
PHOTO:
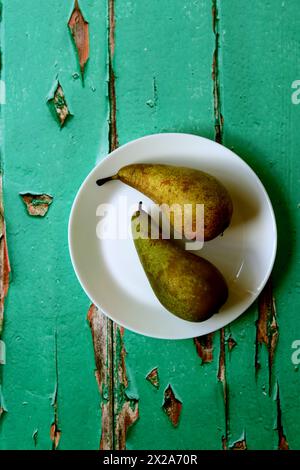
(259, 50)
(163, 67)
(49, 378)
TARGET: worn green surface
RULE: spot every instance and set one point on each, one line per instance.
(163, 67)
(44, 295)
(262, 125)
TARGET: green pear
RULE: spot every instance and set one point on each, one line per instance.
(174, 187)
(185, 284)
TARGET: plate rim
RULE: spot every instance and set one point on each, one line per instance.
(170, 135)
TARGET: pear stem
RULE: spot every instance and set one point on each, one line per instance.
(102, 181)
(140, 206)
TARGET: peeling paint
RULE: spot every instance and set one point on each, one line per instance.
(282, 440)
(79, 28)
(231, 343)
(101, 328)
(222, 379)
(266, 328)
(37, 204)
(58, 104)
(4, 261)
(172, 406)
(126, 409)
(119, 411)
(153, 377)
(55, 435)
(240, 444)
(204, 347)
(55, 432)
(221, 370)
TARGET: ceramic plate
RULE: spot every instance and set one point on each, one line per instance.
(109, 269)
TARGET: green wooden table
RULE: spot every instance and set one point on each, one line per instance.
(224, 69)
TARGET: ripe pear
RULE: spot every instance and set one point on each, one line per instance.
(185, 284)
(178, 186)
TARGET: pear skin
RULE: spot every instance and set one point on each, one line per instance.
(178, 186)
(187, 285)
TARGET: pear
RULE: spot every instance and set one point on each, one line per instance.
(187, 285)
(174, 187)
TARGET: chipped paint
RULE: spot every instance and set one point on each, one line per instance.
(231, 343)
(126, 409)
(37, 204)
(222, 379)
(58, 104)
(172, 406)
(101, 328)
(266, 328)
(153, 377)
(79, 28)
(119, 411)
(204, 347)
(282, 440)
(55, 432)
(239, 445)
(4, 261)
(4, 286)
(55, 435)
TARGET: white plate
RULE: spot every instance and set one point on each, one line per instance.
(110, 271)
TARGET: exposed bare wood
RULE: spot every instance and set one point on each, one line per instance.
(126, 409)
(55, 435)
(55, 432)
(204, 347)
(239, 445)
(59, 106)
(37, 204)
(266, 327)
(79, 28)
(101, 328)
(4, 261)
(153, 377)
(172, 406)
(222, 379)
(282, 440)
(231, 343)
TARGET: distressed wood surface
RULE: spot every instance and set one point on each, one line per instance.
(48, 382)
(222, 69)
